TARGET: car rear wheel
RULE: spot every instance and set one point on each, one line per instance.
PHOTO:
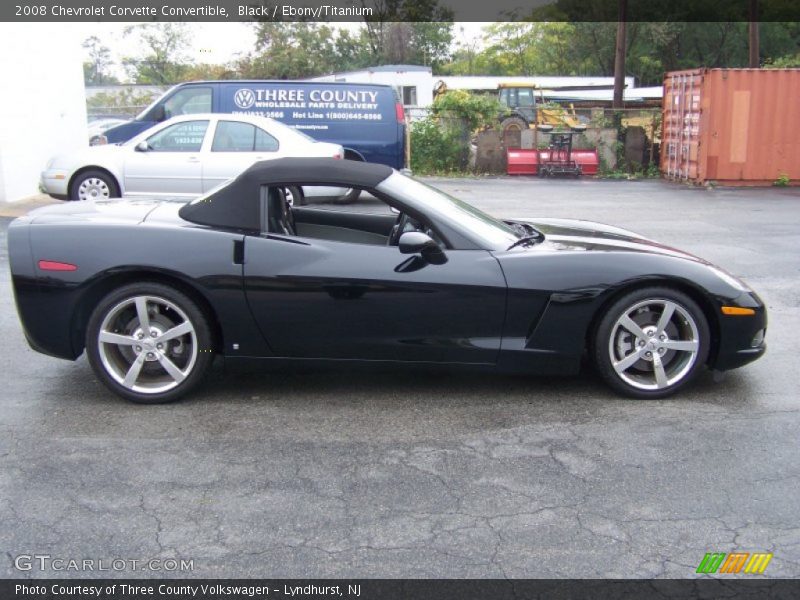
(93, 185)
(149, 343)
(651, 343)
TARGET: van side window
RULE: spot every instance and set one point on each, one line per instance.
(232, 136)
(188, 101)
(180, 137)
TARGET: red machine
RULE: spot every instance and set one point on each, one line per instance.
(558, 159)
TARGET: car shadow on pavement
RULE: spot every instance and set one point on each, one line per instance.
(409, 388)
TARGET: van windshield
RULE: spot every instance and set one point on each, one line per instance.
(142, 116)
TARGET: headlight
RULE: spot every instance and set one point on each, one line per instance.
(732, 281)
(50, 163)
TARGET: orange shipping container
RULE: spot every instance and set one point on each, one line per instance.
(731, 126)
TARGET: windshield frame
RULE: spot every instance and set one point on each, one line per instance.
(484, 230)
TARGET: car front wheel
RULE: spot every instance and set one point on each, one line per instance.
(93, 185)
(652, 342)
(149, 343)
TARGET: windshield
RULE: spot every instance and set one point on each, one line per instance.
(492, 232)
(141, 116)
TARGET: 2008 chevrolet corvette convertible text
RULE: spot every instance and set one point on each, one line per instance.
(154, 289)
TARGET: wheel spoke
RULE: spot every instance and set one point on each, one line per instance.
(632, 326)
(681, 346)
(171, 368)
(176, 331)
(106, 337)
(666, 315)
(661, 375)
(141, 312)
(133, 373)
(628, 361)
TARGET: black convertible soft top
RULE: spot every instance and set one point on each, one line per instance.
(236, 205)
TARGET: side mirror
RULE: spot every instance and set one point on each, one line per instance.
(158, 114)
(143, 147)
(416, 242)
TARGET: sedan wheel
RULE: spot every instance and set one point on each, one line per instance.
(651, 343)
(149, 343)
(93, 185)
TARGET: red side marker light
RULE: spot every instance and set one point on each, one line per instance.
(52, 265)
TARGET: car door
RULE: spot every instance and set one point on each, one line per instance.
(235, 146)
(316, 298)
(171, 164)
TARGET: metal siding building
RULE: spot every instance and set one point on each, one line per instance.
(731, 126)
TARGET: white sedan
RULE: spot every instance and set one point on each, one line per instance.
(183, 156)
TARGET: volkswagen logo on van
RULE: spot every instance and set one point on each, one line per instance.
(244, 98)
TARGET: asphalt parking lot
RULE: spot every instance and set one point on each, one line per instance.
(407, 474)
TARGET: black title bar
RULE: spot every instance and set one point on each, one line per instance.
(731, 588)
(400, 10)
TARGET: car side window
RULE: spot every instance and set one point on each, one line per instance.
(265, 142)
(180, 137)
(233, 136)
(188, 101)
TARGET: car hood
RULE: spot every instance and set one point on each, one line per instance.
(572, 235)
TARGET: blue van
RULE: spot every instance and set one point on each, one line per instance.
(366, 119)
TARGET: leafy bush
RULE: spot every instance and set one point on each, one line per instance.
(476, 110)
(782, 180)
(437, 147)
(440, 141)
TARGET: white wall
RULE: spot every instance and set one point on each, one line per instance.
(42, 104)
(423, 80)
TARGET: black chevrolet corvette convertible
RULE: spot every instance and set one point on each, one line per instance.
(154, 289)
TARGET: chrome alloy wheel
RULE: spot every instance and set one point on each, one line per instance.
(654, 344)
(147, 344)
(93, 188)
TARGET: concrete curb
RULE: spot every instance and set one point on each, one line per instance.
(24, 206)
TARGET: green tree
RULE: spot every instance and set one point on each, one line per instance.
(415, 31)
(163, 57)
(587, 48)
(95, 70)
(287, 50)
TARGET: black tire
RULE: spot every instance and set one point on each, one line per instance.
(190, 353)
(627, 361)
(354, 194)
(297, 196)
(106, 186)
(514, 123)
(349, 197)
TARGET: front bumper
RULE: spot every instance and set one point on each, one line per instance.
(55, 182)
(741, 338)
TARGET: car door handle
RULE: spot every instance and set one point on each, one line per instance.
(193, 159)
